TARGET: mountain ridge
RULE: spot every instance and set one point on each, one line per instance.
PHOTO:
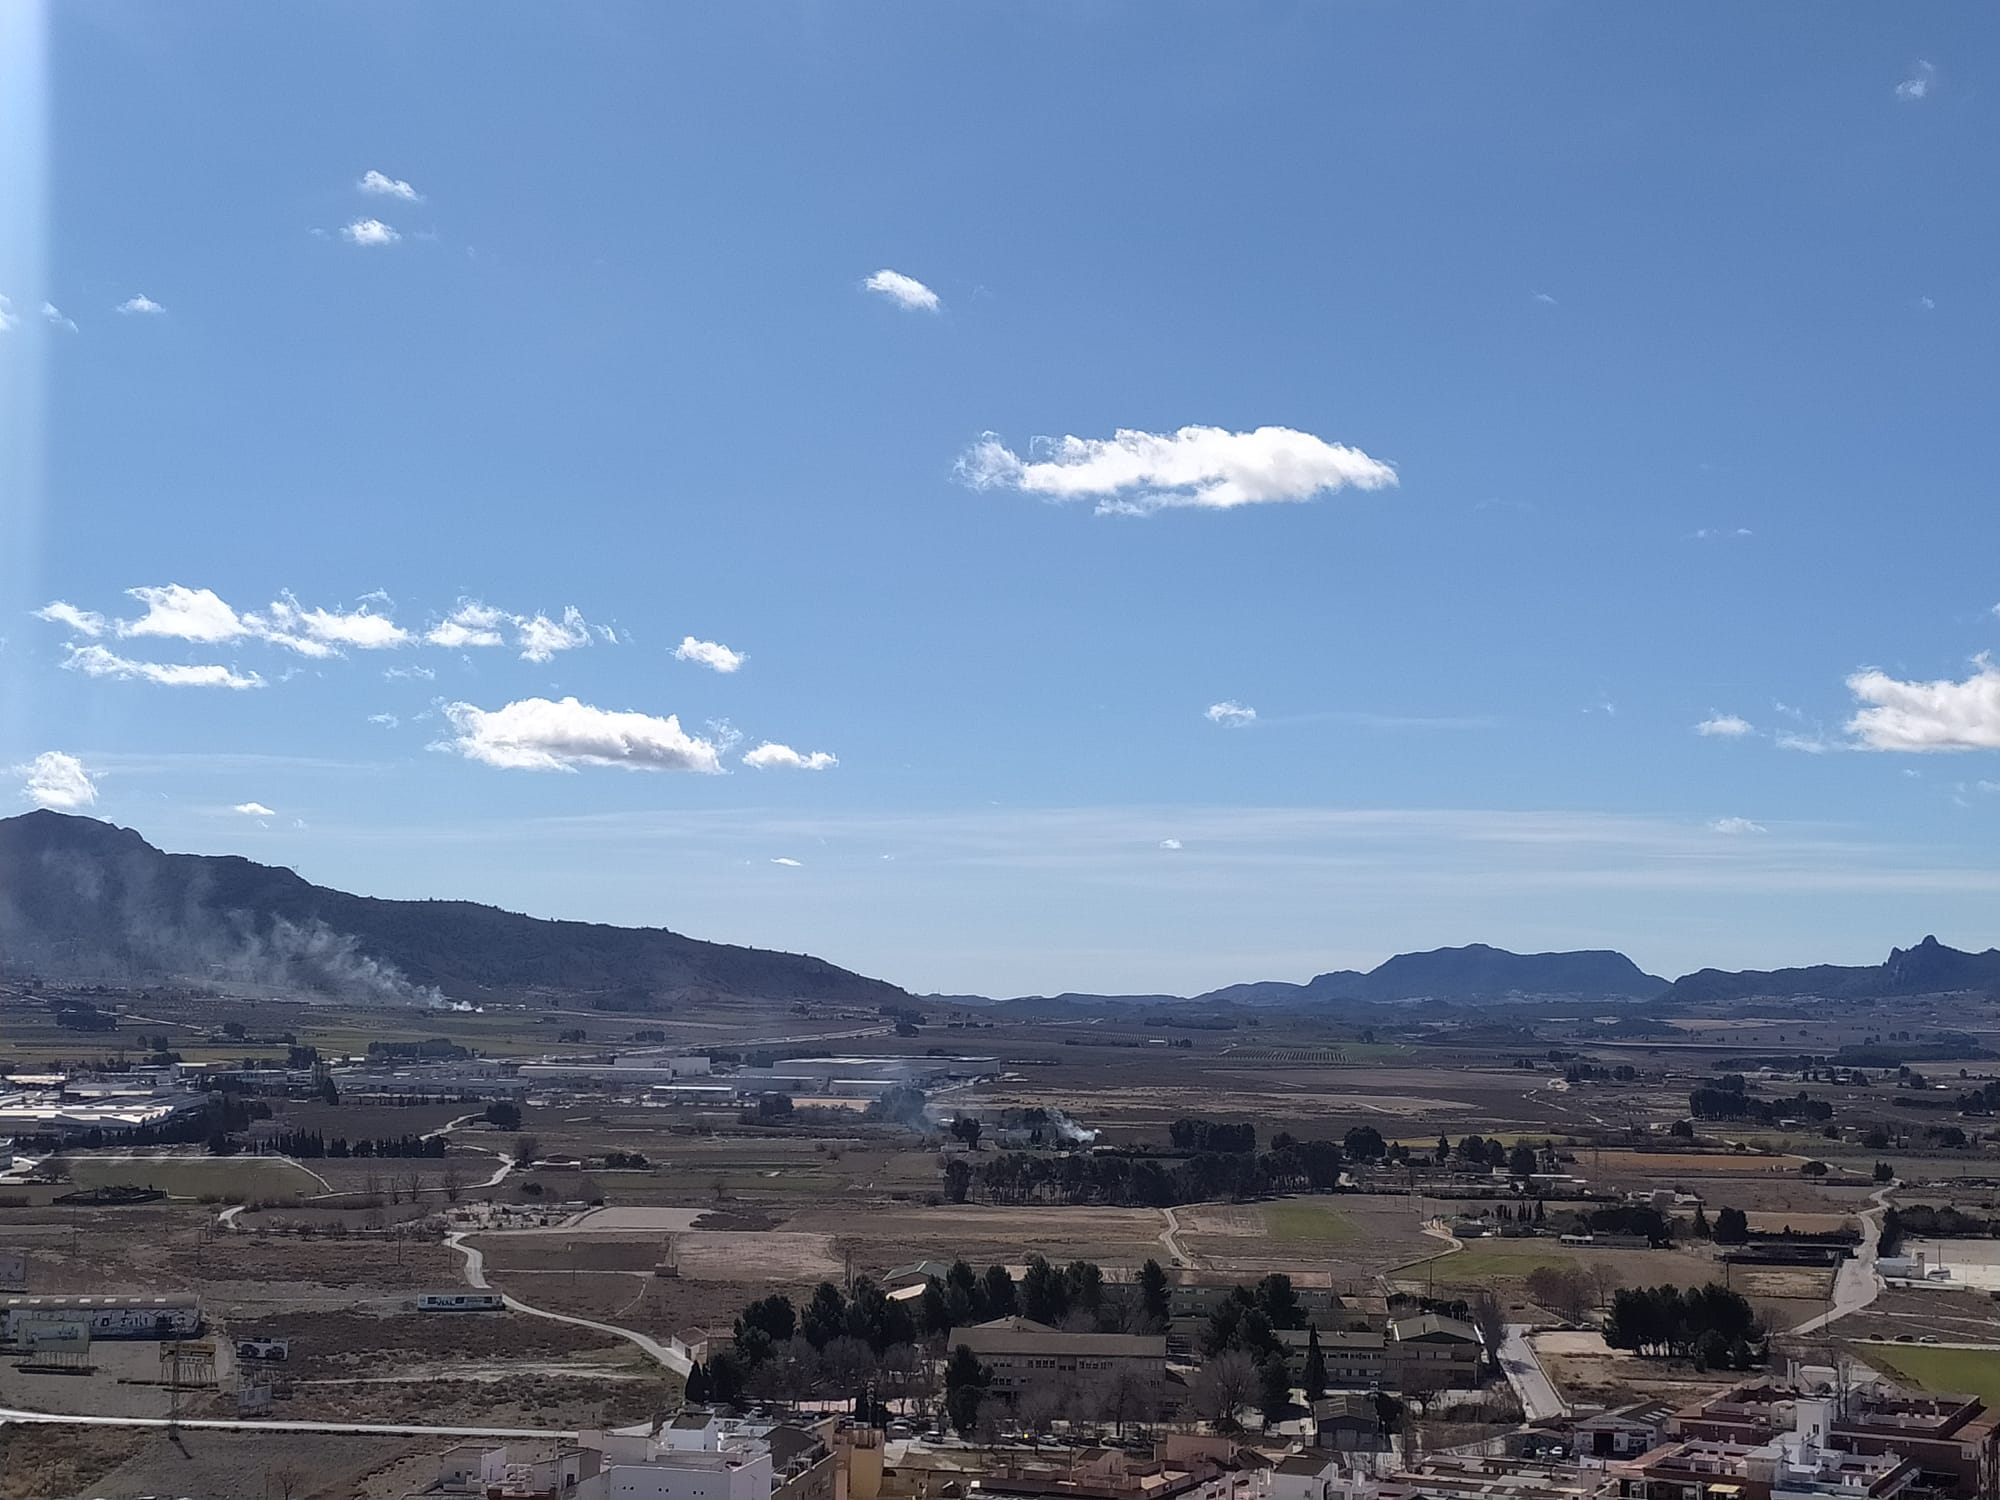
(77, 892)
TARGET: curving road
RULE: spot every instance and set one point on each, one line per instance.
(1855, 1284)
(652, 1348)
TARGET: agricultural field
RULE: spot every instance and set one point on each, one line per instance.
(1970, 1371)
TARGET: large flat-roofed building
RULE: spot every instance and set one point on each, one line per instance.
(1954, 1439)
(1020, 1353)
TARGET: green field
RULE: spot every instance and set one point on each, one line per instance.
(237, 1177)
(1972, 1372)
(1309, 1222)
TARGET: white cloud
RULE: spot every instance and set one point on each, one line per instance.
(1133, 473)
(1721, 533)
(540, 638)
(9, 319)
(1545, 299)
(790, 864)
(768, 757)
(1941, 715)
(254, 810)
(904, 291)
(1926, 304)
(1170, 843)
(83, 621)
(385, 186)
(184, 614)
(95, 661)
(387, 721)
(369, 232)
(53, 316)
(420, 674)
(536, 734)
(1736, 825)
(1230, 714)
(1725, 726)
(362, 629)
(470, 624)
(1918, 82)
(140, 304)
(712, 654)
(57, 780)
(1805, 744)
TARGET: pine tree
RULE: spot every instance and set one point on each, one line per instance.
(697, 1385)
(1315, 1364)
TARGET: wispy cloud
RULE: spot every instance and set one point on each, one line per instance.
(1918, 83)
(83, 621)
(711, 654)
(904, 291)
(96, 661)
(769, 757)
(53, 316)
(1170, 844)
(140, 306)
(1230, 714)
(1720, 533)
(470, 624)
(361, 629)
(536, 734)
(387, 721)
(1210, 468)
(540, 638)
(790, 864)
(254, 810)
(1923, 716)
(384, 186)
(369, 232)
(58, 780)
(1736, 826)
(9, 319)
(1545, 299)
(1724, 726)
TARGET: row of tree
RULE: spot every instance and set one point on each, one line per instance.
(1714, 1322)
(312, 1145)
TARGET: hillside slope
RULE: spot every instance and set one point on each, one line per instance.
(84, 898)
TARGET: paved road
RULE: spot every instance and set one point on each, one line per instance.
(1855, 1284)
(1540, 1401)
(653, 1349)
(245, 1424)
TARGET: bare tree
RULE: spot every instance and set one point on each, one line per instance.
(1491, 1321)
(1038, 1407)
(526, 1148)
(371, 1185)
(413, 1181)
(288, 1479)
(1604, 1281)
(1128, 1396)
(454, 1182)
(1222, 1386)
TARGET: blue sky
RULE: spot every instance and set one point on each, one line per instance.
(1584, 375)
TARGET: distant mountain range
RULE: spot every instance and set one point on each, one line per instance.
(84, 899)
(1930, 968)
(1473, 974)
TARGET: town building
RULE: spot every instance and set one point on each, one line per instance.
(1954, 1440)
(1019, 1353)
(1431, 1352)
